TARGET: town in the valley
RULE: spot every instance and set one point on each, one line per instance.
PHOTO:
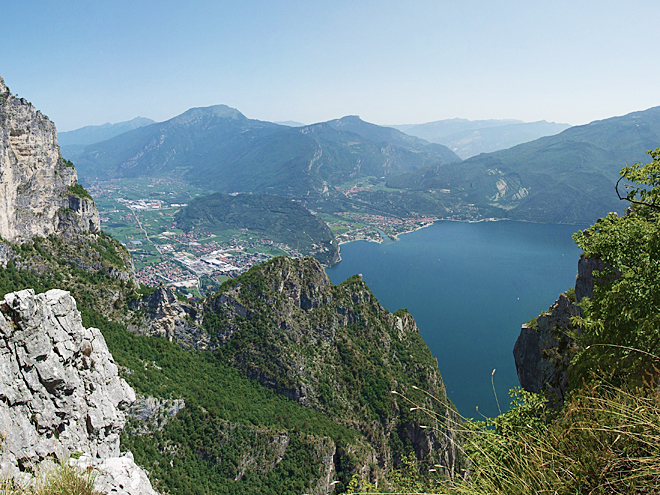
(140, 214)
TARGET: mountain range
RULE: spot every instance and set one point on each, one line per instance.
(73, 142)
(96, 133)
(468, 138)
(220, 148)
(565, 178)
(288, 391)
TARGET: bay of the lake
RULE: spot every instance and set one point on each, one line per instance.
(470, 287)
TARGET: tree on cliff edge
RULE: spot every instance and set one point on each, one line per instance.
(621, 325)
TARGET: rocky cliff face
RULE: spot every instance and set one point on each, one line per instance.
(544, 349)
(60, 391)
(337, 350)
(37, 197)
(166, 317)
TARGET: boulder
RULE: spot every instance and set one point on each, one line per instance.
(60, 391)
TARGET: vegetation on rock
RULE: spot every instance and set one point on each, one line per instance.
(234, 434)
(620, 327)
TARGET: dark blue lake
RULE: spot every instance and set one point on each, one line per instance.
(470, 287)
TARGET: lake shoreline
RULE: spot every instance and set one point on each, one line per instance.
(396, 236)
(470, 286)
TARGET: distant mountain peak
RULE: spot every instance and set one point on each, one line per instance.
(222, 111)
(350, 119)
(91, 134)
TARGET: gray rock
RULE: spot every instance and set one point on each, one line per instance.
(543, 352)
(166, 317)
(59, 388)
(153, 413)
(117, 475)
(35, 180)
(584, 285)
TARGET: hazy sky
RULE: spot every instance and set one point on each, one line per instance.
(84, 62)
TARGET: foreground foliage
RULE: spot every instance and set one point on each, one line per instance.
(620, 325)
(605, 439)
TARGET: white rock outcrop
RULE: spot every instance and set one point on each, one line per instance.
(60, 391)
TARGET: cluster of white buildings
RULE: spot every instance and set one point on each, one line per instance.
(142, 204)
(215, 262)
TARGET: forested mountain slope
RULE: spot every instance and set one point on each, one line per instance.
(224, 150)
(566, 178)
(290, 389)
(277, 218)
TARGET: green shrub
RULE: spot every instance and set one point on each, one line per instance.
(54, 479)
(605, 440)
(79, 191)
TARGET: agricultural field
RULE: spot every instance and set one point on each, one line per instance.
(140, 214)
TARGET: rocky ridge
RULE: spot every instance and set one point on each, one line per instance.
(165, 316)
(38, 188)
(285, 325)
(544, 349)
(60, 392)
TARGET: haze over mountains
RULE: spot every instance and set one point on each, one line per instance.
(95, 133)
(468, 138)
(73, 142)
(566, 178)
(224, 150)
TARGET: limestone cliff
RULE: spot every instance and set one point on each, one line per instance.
(38, 196)
(544, 349)
(60, 391)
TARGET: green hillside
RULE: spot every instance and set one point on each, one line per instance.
(296, 395)
(225, 151)
(566, 178)
(273, 217)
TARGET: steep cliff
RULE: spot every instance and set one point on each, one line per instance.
(544, 349)
(49, 225)
(219, 420)
(337, 350)
(38, 188)
(162, 314)
(60, 391)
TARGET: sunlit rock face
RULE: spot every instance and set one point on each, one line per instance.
(58, 383)
(35, 182)
(544, 349)
(60, 392)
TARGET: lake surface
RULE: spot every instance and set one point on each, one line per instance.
(470, 287)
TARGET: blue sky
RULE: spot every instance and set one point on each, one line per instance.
(390, 62)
